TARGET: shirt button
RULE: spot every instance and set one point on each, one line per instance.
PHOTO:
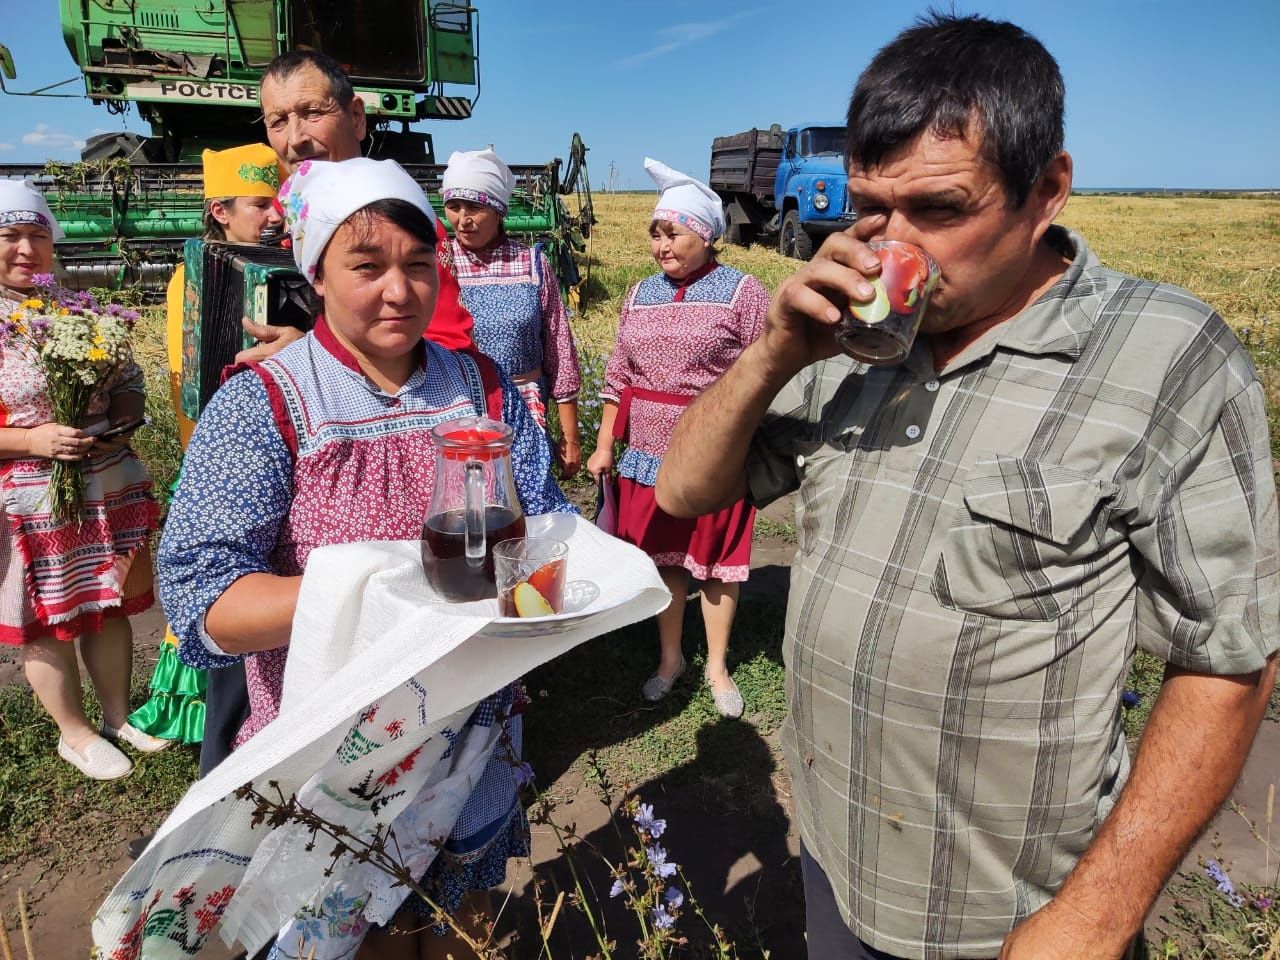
(932, 386)
(800, 461)
(913, 432)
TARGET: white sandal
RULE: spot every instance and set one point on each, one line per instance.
(96, 759)
(142, 742)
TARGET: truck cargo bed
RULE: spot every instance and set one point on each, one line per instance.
(747, 162)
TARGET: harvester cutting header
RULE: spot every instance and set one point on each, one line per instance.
(192, 69)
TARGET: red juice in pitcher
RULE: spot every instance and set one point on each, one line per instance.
(444, 554)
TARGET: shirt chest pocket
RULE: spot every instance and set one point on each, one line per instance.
(1026, 543)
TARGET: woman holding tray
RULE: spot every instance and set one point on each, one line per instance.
(326, 442)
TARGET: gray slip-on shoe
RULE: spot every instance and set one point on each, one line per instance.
(658, 686)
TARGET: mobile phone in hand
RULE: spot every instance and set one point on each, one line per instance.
(120, 429)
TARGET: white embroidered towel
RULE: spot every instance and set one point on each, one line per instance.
(367, 628)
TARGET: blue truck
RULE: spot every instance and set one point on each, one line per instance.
(784, 184)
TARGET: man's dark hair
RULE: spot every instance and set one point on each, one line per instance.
(287, 64)
(947, 72)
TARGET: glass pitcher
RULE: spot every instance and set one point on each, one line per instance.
(473, 507)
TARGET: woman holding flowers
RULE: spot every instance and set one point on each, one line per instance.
(327, 442)
(75, 512)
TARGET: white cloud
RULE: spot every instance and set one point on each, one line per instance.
(680, 35)
(5, 146)
(42, 136)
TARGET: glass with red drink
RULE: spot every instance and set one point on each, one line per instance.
(530, 574)
(881, 332)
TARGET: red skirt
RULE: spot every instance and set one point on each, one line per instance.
(716, 546)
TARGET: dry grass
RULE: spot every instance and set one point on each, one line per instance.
(1226, 252)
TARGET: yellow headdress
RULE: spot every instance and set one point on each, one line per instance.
(248, 171)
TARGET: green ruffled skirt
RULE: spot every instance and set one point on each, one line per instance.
(176, 708)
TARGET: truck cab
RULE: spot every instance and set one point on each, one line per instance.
(809, 188)
(784, 184)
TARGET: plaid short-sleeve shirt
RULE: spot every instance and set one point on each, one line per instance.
(980, 553)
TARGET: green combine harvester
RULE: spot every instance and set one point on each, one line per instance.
(192, 68)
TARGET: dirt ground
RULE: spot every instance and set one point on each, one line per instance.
(745, 869)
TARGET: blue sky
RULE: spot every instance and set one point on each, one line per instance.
(1163, 94)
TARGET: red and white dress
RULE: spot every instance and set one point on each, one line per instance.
(62, 579)
(674, 340)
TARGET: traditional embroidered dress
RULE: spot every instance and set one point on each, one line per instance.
(520, 320)
(303, 450)
(674, 340)
(62, 579)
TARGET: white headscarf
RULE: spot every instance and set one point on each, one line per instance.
(479, 176)
(20, 202)
(686, 201)
(321, 195)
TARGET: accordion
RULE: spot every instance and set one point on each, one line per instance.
(225, 282)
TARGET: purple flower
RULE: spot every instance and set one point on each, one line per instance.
(663, 920)
(1130, 699)
(42, 279)
(618, 886)
(1263, 903)
(1219, 876)
(658, 860)
(114, 309)
(647, 822)
(523, 773)
(674, 898)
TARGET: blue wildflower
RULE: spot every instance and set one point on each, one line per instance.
(618, 886)
(674, 898)
(1130, 699)
(658, 860)
(650, 824)
(661, 919)
(523, 773)
(1219, 876)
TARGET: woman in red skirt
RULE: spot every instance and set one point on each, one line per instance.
(680, 330)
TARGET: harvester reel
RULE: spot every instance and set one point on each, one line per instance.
(578, 226)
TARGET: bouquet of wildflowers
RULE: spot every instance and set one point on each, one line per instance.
(78, 345)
